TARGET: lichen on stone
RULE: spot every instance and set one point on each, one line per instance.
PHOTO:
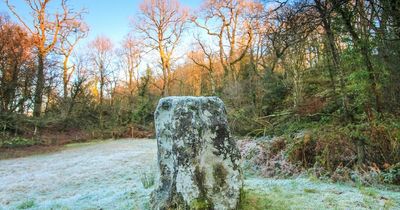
(197, 157)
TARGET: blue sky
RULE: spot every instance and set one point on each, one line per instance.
(110, 18)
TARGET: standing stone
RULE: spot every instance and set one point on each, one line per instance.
(197, 158)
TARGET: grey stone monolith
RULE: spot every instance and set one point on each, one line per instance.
(198, 159)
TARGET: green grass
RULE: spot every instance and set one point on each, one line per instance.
(304, 193)
(281, 199)
(26, 204)
(307, 190)
(147, 178)
(254, 200)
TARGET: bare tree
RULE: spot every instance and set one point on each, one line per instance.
(70, 35)
(79, 82)
(45, 31)
(205, 58)
(288, 25)
(223, 20)
(101, 54)
(130, 56)
(162, 23)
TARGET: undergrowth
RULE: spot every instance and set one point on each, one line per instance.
(17, 130)
(367, 152)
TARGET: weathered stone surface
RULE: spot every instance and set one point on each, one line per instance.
(197, 158)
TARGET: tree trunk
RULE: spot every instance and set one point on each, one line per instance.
(212, 81)
(65, 77)
(14, 86)
(331, 46)
(37, 109)
(101, 89)
(164, 90)
(336, 65)
(364, 50)
(360, 151)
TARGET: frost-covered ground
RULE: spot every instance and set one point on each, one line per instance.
(302, 193)
(100, 175)
(107, 175)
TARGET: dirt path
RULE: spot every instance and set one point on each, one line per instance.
(107, 175)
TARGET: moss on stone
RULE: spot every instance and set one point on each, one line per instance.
(219, 173)
(194, 132)
(199, 176)
(200, 204)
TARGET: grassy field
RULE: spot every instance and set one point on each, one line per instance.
(110, 175)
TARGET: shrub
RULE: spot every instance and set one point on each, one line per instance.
(334, 148)
(392, 175)
(17, 142)
(302, 149)
(267, 157)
